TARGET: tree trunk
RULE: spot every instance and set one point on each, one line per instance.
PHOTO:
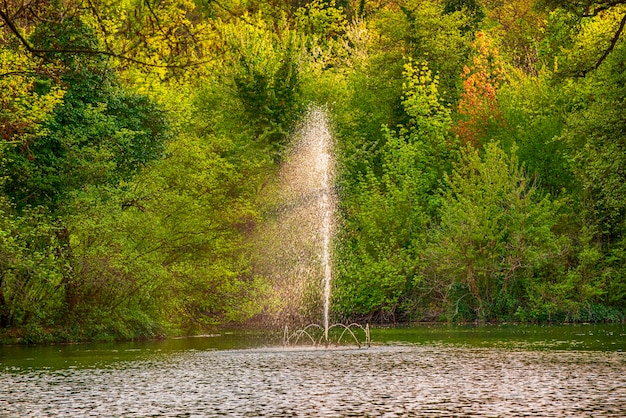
(70, 284)
(4, 311)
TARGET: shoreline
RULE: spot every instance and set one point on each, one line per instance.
(62, 336)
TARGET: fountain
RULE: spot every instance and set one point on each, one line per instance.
(306, 225)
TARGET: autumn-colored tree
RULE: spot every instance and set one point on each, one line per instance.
(478, 106)
(389, 213)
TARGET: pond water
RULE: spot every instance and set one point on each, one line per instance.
(420, 371)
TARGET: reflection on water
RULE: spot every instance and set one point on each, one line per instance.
(408, 379)
(604, 337)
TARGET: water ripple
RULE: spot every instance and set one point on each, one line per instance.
(387, 381)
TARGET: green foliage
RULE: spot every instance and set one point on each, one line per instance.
(561, 27)
(387, 212)
(518, 25)
(532, 110)
(440, 39)
(98, 134)
(132, 185)
(30, 268)
(581, 7)
(191, 220)
(589, 40)
(321, 19)
(495, 233)
(596, 137)
(472, 8)
(422, 32)
(26, 101)
(265, 73)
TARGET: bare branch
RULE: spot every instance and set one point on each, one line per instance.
(86, 51)
(94, 10)
(607, 52)
(156, 18)
(613, 42)
(22, 73)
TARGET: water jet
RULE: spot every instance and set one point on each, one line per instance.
(308, 218)
(308, 334)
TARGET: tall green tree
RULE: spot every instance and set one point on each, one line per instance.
(95, 138)
(388, 212)
(265, 70)
(596, 138)
(495, 236)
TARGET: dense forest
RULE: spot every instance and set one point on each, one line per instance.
(481, 160)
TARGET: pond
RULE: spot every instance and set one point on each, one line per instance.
(418, 371)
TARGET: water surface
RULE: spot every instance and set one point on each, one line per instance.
(425, 371)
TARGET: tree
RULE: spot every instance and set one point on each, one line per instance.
(96, 137)
(518, 26)
(471, 7)
(30, 272)
(265, 72)
(495, 235)
(168, 35)
(582, 7)
(440, 38)
(183, 238)
(387, 213)
(595, 136)
(590, 9)
(410, 30)
(478, 107)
